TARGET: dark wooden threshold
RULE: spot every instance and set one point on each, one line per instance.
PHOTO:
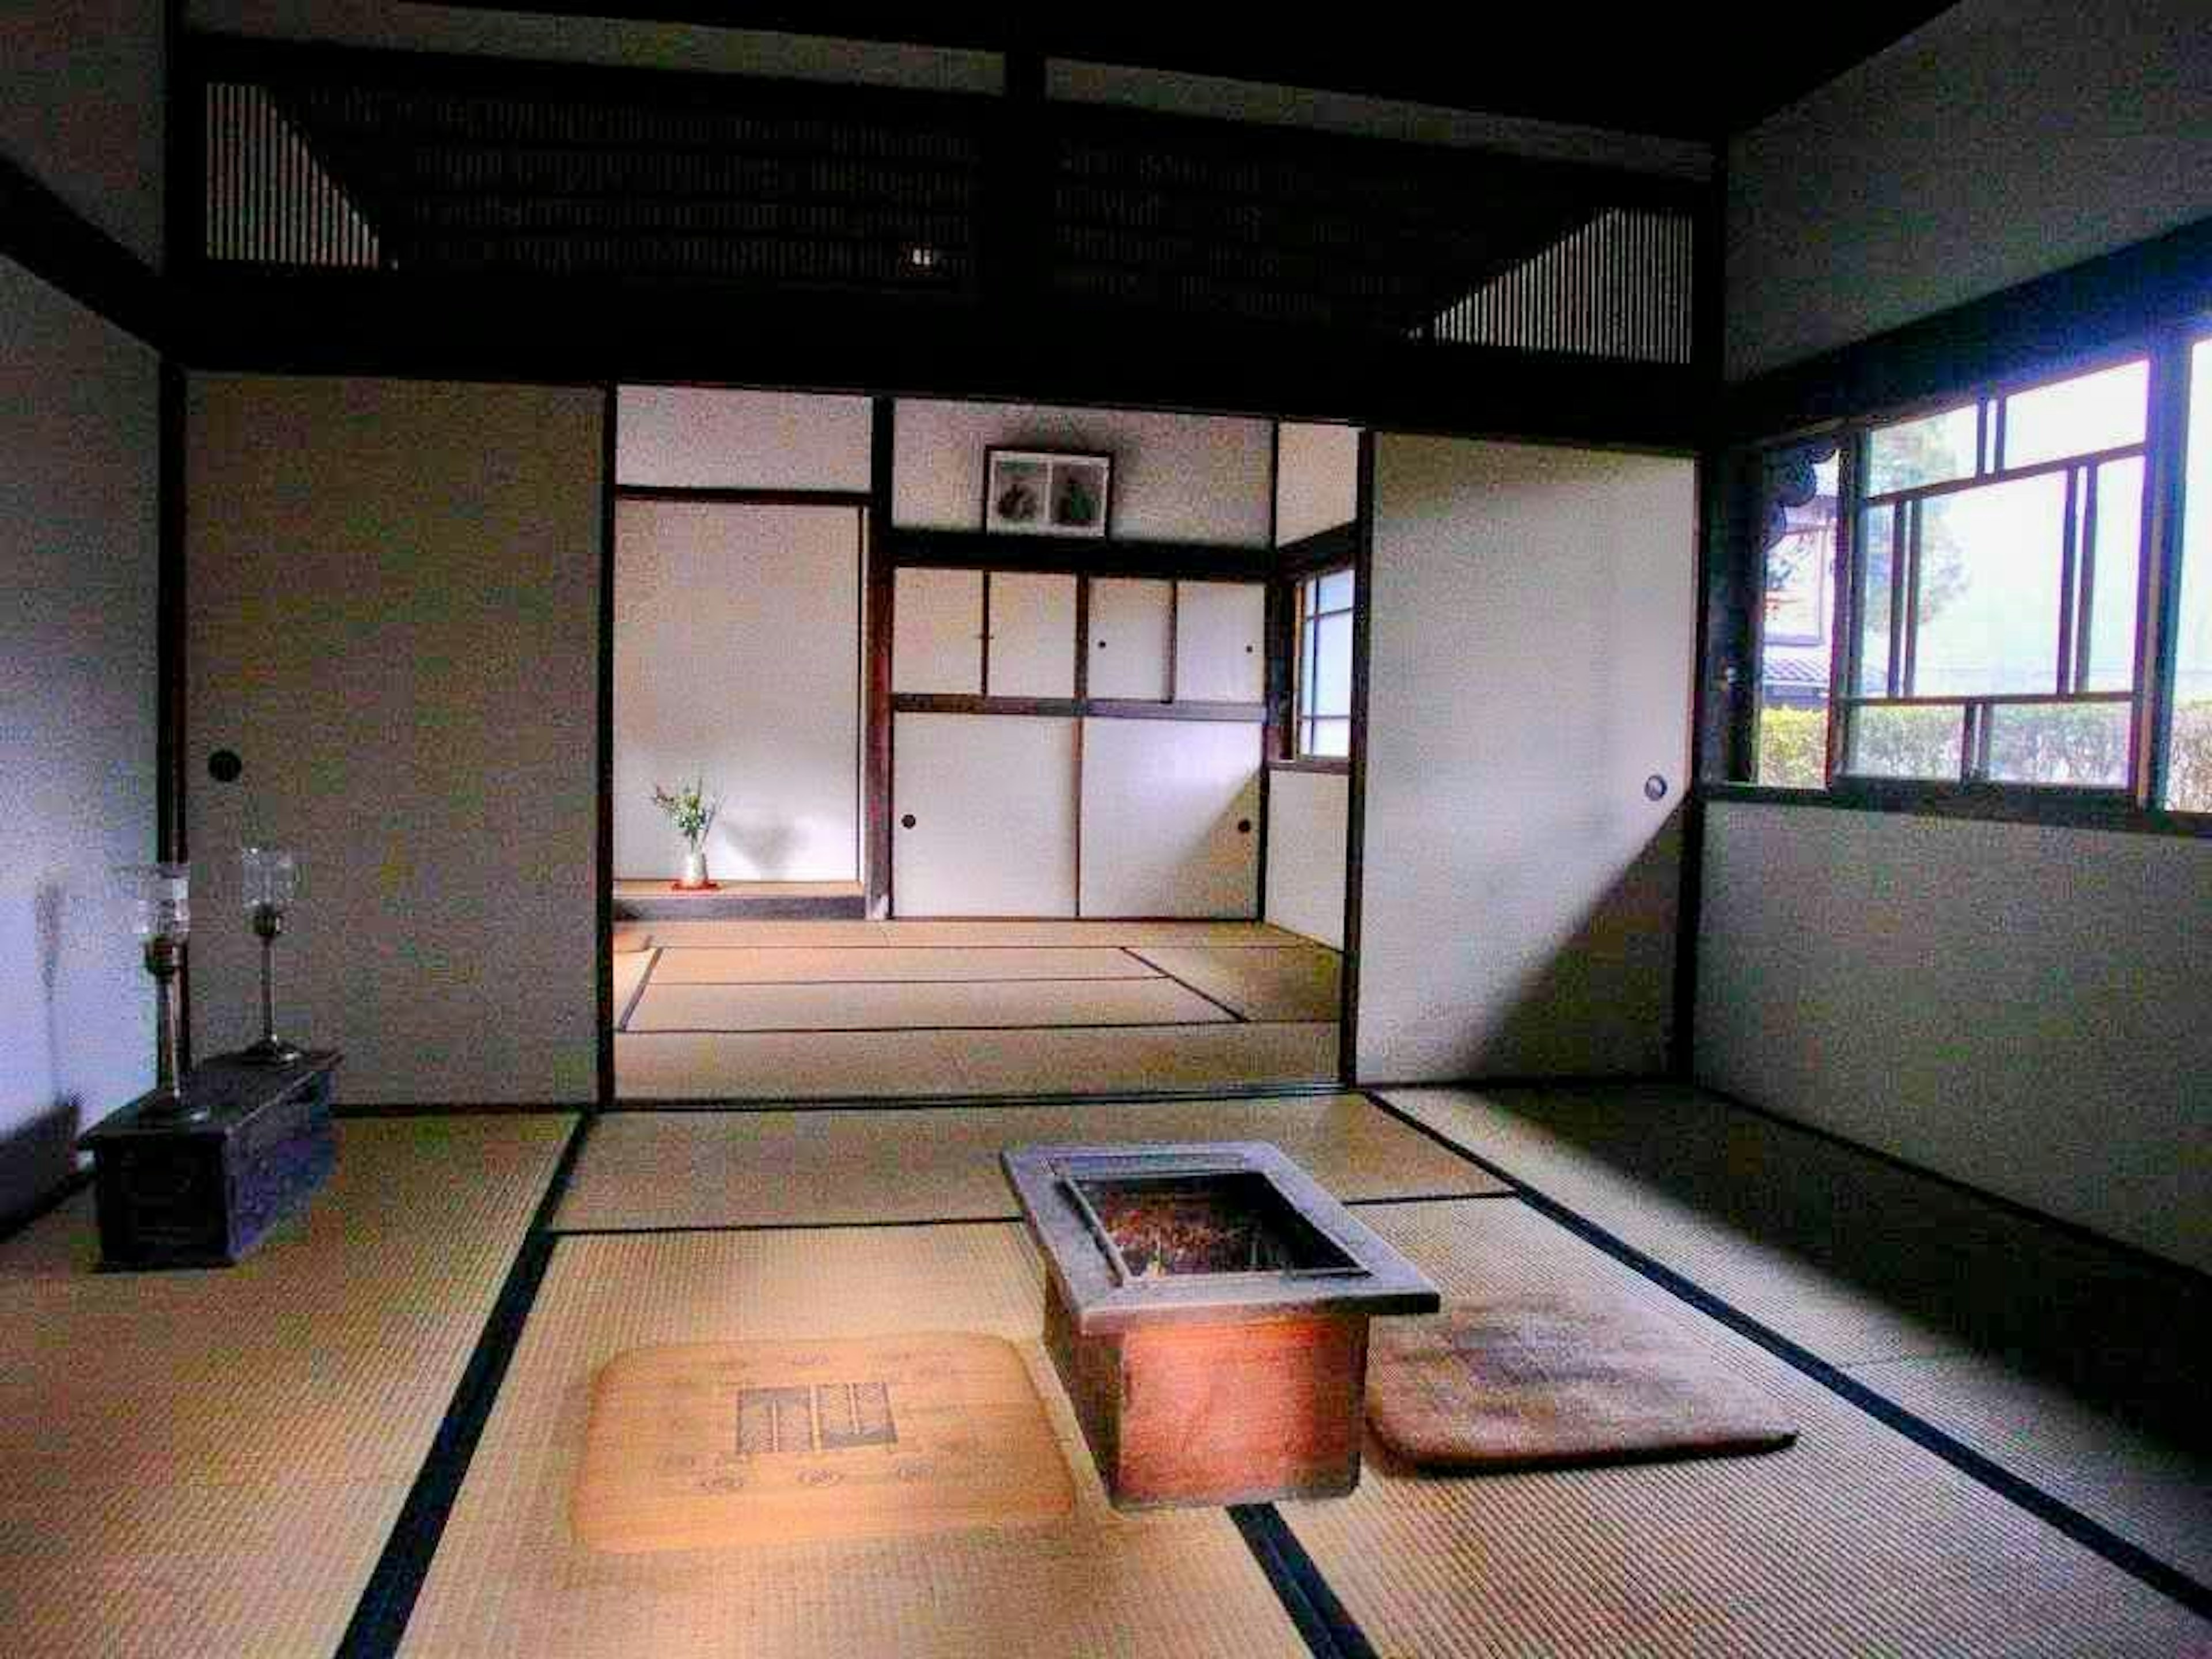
(739, 901)
(1328, 768)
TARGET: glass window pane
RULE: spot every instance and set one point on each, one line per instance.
(1331, 666)
(1987, 615)
(1331, 738)
(1335, 590)
(2189, 771)
(1306, 667)
(2111, 640)
(1932, 450)
(1888, 741)
(2083, 744)
(2075, 418)
(1793, 671)
(1875, 528)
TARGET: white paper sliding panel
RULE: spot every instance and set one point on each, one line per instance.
(1309, 816)
(1220, 642)
(1170, 818)
(1032, 635)
(1129, 638)
(937, 631)
(1532, 617)
(983, 815)
(1316, 480)
(393, 611)
(702, 437)
(737, 659)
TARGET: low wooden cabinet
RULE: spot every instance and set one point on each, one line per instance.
(202, 1192)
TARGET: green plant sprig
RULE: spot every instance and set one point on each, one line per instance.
(689, 810)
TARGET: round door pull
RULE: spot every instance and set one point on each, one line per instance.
(224, 766)
(907, 822)
(1655, 787)
(1243, 826)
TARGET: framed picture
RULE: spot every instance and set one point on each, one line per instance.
(1047, 492)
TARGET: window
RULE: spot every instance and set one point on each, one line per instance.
(1796, 615)
(1323, 729)
(2000, 548)
(1988, 634)
(2189, 751)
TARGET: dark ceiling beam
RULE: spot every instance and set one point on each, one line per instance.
(1670, 72)
(570, 332)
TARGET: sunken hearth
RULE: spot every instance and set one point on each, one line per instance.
(1206, 1309)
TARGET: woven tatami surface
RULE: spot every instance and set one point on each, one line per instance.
(208, 1463)
(941, 1162)
(2059, 1358)
(974, 933)
(509, 1578)
(1295, 982)
(670, 1066)
(1854, 1542)
(800, 964)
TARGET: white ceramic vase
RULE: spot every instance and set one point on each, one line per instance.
(695, 868)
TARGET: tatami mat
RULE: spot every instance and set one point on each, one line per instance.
(208, 1463)
(1095, 934)
(631, 970)
(989, 1005)
(510, 1578)
(1295, 982)
(1705, 1189)
(742, 1066)
(757, 1168)
(2148, 1486)
(1855, 1541)
(2059, 1353)
(630, 935)
(769, 964)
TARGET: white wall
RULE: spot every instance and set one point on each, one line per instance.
(393, 619)
(738, 655)
(79, 561)
(703, 437)
(1177, 478)
(1316, 479)
(82, 89)
(2003, 140)
(2019, 1007)
(1308, 817)
(1529, 667)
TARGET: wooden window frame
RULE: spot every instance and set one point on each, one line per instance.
(1304, 627)
(2166, 353)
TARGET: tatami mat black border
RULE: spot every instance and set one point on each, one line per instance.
(1330, 1633)
(2091, 1535)
(387, 1601)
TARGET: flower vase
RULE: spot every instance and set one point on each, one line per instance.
(695, 868)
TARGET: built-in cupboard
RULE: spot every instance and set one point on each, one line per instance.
(1067, 745)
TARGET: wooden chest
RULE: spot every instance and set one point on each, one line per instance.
(202, 1192)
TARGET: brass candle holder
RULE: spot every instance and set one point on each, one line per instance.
(162, 896)
(271, 882)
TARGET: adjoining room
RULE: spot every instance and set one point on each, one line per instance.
(1108, 854)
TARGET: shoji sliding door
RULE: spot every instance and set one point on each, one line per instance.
(1040, 771)
(1528, 742)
